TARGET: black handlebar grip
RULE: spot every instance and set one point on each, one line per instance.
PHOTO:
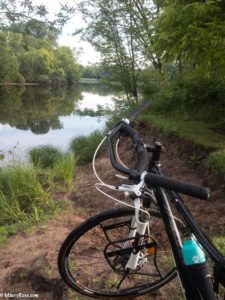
(142, 158)
(154, 180)
(141, 152)
(130, 132)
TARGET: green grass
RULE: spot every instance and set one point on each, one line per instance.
(20, 193)
(219, 242)
(64, 169)
(22, 199)
(216, 161)
(45, 156)
(199, 133)
(196, 132)
(84, 147)
(54, 166)
(25, 225)
(26, 190)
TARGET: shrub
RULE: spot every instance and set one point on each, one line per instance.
(216, 161)
(64, 169)
(45, 156)
(84, 147)
(21, 194)
(53, 165)
(197, 97)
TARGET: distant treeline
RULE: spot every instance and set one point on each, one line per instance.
(98, 71)
(28, 56)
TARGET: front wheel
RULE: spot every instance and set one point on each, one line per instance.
(92, 260)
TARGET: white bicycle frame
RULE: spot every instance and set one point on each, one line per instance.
(137, 228)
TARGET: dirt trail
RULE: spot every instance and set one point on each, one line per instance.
(28, 261)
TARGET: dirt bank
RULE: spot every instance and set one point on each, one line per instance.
(28, 261)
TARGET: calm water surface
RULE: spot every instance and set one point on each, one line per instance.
(35, 116)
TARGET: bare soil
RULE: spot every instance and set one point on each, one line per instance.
(28, 262)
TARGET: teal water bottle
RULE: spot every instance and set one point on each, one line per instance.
(192, 253)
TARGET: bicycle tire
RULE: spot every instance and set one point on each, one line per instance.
(84, 244)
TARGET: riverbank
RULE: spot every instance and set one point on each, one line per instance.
(37, 270)
(35, 84)
(82, 80)
(28, 190)
(206, 139)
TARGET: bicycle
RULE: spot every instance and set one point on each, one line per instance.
(139, 248)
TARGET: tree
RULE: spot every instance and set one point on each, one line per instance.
(9, 66)
(66, 67)
(37, 65)
(192, 33)
(36, 29)
(22, 11)
(121, 31)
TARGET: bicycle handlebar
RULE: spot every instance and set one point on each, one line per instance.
(151, 179)
(142, 157)
(188, 189)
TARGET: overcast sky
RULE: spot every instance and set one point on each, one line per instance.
(87, 53)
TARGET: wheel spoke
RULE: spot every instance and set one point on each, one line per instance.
(102, 235)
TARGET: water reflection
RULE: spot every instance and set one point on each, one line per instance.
(37, 108)
(35, 116)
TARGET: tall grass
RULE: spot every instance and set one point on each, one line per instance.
(216, 161)
(64, 169)
(25, 196)
(45, 156)
(84, 147)
(219, 242)
(54, 165)
(22, 198)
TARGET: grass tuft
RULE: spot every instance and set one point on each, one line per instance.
(25, 190)
(84, 147)
(20, 193)
(54, 165)
(196, 132)
(219, 242)
(216, 161)
(45, 156)
(64, 169)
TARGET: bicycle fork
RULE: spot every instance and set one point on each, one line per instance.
(138, 228)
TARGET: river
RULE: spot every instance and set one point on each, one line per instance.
(35, 116)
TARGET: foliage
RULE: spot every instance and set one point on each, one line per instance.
(121, 31)
(194, 97)
(99, 72)
(64, 169)
(45, 156)
(216, 161)
(21, 194)
(17, 13)
(26, 57)
(197, 132)
(9, 66)
(66, 68)
(192, 33)
(55, 166)
(84, 147)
